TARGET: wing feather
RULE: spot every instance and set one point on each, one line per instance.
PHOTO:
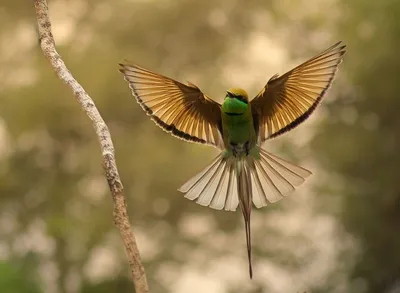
(288, 100)
(182, 110)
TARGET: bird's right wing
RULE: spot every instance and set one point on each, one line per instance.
(182, 110)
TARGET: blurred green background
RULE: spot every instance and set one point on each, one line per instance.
(338, 233)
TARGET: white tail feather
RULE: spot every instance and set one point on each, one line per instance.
(271, 178)
(215, 186)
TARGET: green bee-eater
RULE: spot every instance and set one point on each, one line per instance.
(243, 173)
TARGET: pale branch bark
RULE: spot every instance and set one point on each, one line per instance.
(121, 218)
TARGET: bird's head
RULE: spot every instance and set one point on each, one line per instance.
(237, 93)
(236, 101)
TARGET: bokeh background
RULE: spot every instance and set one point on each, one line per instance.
(338, 233)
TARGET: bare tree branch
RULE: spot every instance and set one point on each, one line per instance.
(121, 218)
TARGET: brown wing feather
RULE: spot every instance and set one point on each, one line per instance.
(288, 100)
(182, 110)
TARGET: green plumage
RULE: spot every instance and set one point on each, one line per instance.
(237, 124)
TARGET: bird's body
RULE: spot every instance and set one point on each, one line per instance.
(243, 174)
(237, 123)
(239, 135)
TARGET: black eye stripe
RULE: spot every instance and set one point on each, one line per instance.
(240, 98)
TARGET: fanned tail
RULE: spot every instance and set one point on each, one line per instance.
(259, 178)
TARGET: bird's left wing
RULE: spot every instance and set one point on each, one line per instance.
(288, 100)
(182, 110)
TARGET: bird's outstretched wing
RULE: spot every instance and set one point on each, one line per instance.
(288, 100)
(182, 110)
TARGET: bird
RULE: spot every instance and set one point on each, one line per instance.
(243, 173)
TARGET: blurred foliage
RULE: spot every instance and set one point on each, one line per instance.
(18, 275)
(55, 203)
(364, 127)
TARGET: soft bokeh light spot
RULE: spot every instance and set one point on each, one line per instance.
(94, 187)
(349, 115)
(197, 282)
(196, 225)
(101, 264)
(217, 18)
(161, 206)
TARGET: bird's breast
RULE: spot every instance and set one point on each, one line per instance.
(238, 131)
